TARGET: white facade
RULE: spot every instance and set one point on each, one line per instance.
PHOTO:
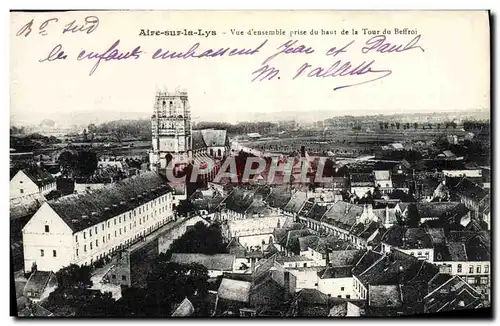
(337, 287)
(21, 185)
(426, 254)
(51, 244)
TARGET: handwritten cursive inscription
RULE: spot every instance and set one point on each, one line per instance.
(193, 52)
(343, 69)
(89, 25)
(351, 73)
(289, 47)
(57, 53)
(112, 53)
(378, 44)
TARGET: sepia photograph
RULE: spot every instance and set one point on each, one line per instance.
(278, 164)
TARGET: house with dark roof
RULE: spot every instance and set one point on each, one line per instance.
(415, 242)
(295, 203)
(355, 223)
(336, 281)
(35, 310)
(472, 195)
(32, 180)
(446, 212)
(383, 180)
(390, 269)
(213, 142)
(39, 285)
(361, 183)
(309, 303)
(84, 228)
(453, 294)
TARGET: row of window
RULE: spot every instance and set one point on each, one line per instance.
(120, 219)
(471, 269)
(91, 244)
(42, 253)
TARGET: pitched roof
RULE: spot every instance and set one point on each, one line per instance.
(453, 294)
(367, 260)
(35, 310)
(397, 268)
(85, 210)
(318, 210)
(478, 248)
(209, 138)
(342, 215)
(407, 238)
(437, 235)
(293, 236)
(185, 309)
(217, 262)
(37, 282)
(335, 272)
(39, 176)
(296, 202)
(451, 251)
(27, 206)
(308, 241)
(197, 141)
(240, 199)
(279, 196)
(234, 290)
(471, 190)
(311, 297)
(345, 257)
(439, 209)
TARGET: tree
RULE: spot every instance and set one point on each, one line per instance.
(415, 125)
(199, 239)
(68, 162)
(400, 220)
(87, 163)
(169, 283)
(74, 276)
(413, 218)
(398, 125)
(381, 124)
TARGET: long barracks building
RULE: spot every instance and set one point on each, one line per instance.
(82, 229)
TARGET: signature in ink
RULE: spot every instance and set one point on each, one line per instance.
(344, 69)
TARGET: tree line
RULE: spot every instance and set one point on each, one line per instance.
(416, 125)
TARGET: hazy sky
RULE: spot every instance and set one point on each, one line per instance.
(451, 74)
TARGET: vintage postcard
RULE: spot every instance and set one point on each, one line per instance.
(250, 163)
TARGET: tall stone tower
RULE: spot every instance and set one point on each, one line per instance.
(171, 129)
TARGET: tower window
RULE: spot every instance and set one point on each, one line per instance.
(47, 228)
